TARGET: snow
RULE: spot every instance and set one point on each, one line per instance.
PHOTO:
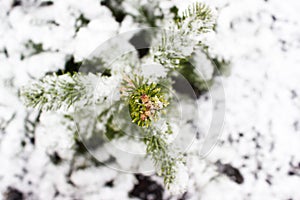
(261, 130)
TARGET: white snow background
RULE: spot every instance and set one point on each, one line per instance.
(257, 156)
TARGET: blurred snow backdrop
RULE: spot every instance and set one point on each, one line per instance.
(257, 156)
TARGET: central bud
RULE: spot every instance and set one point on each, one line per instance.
(146, 103)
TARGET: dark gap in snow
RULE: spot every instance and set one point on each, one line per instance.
(294, 94)
(46, 3)
(197, 135)
(230, 139)
(259, 166)
(55, 158)
(69, 174)
(34, 47)
(250, 20)
(233, 173)
(81, 21)
(184, 196)
(294, 168)
(30, 125)
(291, 173)
(57, 193)
(5, 52)
(272, 146)
(16, 3)
(231, 25)
(80, 149)
(140, 41)
(13, 194)
(70, 66)
(24, 170)
(106, 72)
(174, 10)
(109, 183)
(146, 189)
(5, 123)
(255, 175)
(179, 86)
(23, 143)
(115, 7)
(53, 22)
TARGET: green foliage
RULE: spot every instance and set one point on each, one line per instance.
(34, 48)
(188, 71)
(222, 66)
(111, 131)
(200, 12)
(176, 45)
(160, 152)
(147, 14)
(145, 102)
(196, 19)
(54, 92)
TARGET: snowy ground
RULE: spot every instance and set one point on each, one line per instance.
(257, 156)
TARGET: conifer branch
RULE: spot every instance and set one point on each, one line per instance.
(163, 157)
(58, 92)
(176, 45)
